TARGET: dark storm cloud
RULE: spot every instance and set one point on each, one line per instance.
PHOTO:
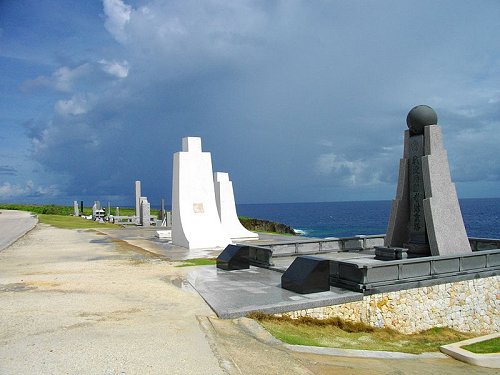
(6, 170)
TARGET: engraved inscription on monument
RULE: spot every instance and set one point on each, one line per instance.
(416, 231)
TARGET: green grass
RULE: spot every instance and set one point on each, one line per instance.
(50, 209)
(484, 347)
(198, 262)
(337, 333)
(72, 222)
(53, 209)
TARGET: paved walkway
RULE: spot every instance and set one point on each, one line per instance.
(14, 224)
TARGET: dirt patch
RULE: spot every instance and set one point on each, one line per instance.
(16, 287)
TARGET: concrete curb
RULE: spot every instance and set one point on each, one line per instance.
(484, 360)
(358, 353)
(261, 334)
(10, 243)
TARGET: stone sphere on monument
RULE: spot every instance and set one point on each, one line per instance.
(419, 117)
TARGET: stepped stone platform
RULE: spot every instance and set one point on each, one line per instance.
(233, 294)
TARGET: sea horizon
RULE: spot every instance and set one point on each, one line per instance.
(350, 218)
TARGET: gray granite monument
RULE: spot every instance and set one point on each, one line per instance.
(425, 216)
(75, 209)
(145, 212)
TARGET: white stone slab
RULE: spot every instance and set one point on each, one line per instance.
(75, 208)
(226, 206)
(138, 198)
(145, 212)
(163, 234)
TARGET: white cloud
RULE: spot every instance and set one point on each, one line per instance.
(77, 105)
(379, 168)
(349, 171)
(65, 78)
(33, 84)
(117, 17)
(115, 68)
(29, 189)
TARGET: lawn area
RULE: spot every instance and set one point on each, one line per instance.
(197, 262)
(336, 333)
(484, 347)
(72, 222)
(53, 209)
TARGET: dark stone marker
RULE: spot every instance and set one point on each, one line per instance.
(307, 274)
(81, 207)
(233, 257)
(390, 253)
(162, 209)
(417, 242)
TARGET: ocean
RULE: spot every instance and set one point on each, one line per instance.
(346, 219)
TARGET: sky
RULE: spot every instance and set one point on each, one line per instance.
(299, 101)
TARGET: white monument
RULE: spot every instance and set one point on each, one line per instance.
(75, 209)
(195, 219)
(138, 200)
(425, 215)
(224, 196)
(144, 212)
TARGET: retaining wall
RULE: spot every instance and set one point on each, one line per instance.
(469, 306)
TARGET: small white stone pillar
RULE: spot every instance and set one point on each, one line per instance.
(195, 219)
(145, 212)
(425, 215)
(138, 198)
(94, 210)
(75, 209)
(226, 206)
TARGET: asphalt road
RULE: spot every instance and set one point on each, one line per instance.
(14, 224)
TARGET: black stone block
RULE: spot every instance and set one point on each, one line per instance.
(233, 257)
(307, 274)
(390, 253)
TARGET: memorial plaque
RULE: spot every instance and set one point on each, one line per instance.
(198, 208)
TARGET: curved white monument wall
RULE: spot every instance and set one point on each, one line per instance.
(224, 196)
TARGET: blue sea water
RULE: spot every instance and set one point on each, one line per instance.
(345, 219)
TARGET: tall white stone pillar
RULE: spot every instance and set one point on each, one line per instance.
(226, 206)
(138, 199)
(195, 219)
